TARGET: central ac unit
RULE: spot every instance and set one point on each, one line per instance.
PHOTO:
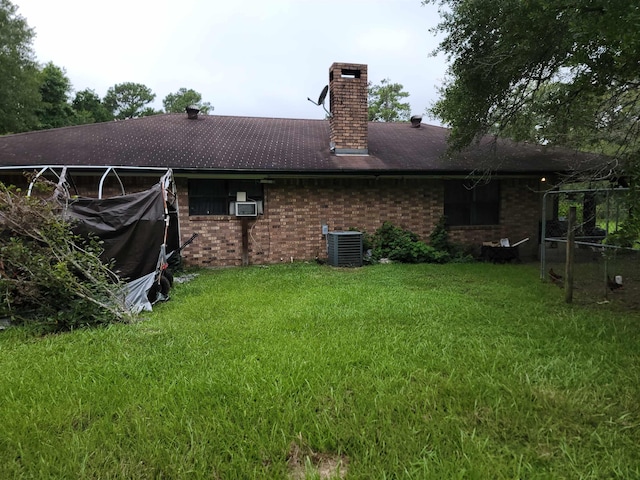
(345, 249)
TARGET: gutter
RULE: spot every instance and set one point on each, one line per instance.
(274, 174)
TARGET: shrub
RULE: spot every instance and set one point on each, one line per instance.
(627, 236)
(50, 277)
(439, 239)
(403, 246)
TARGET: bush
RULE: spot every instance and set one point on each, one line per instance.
(627, 236)
(403, 246)
(50, 277)
(439, 239)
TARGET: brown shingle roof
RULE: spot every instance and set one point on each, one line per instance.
(268, 145)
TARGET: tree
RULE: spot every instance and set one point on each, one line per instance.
(553, 71)
(19, 94)
(55, 88)
(128, 100)
(177, 102)
(146, 112)
(385, 103)
(556, 72)
(89, 108)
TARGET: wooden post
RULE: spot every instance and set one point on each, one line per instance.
(571, 243)
(245, 242)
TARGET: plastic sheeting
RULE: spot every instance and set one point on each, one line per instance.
(131, 228)
(136, 294)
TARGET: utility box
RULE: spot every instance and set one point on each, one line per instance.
(345, 249)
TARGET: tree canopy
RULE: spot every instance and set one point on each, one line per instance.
(560, 72)
(177, 102)
(385, 102)
(89, 108)
(55, 89)
(19, 81)
(36, 97)
(129, 100)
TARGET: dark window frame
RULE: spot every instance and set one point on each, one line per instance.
(213, 196)
(468, 204)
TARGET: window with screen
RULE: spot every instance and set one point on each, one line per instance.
(214, 197)
(469, 204)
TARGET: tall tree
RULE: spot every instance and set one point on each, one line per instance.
(19, 95)
(177, 102)
(559, 72)
(89, 108)
(553, 71)
(55, 89)
(385, 102)
(128, 100)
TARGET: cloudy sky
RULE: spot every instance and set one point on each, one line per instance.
(249, 58)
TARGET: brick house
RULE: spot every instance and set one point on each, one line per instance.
(344, 172)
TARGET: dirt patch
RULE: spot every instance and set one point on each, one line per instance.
(591, 286)
(303, 463)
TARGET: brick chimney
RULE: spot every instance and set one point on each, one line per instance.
(348, 101)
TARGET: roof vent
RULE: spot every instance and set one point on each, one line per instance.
(192, 112)
(416, 120)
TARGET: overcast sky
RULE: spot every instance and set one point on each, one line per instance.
(248, 58)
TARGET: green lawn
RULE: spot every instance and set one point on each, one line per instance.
(390, 371)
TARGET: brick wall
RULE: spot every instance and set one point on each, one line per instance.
(520, 211)
(295, 211)
(349, 107)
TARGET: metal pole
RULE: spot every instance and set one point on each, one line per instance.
(568, 271)
(543, 237)
(245, 242)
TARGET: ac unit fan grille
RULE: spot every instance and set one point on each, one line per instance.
(345, 249)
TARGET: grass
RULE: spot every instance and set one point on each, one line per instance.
(390, 371)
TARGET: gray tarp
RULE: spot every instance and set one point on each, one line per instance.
(136, 293)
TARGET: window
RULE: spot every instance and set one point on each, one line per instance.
(214, 197)
(465, 204)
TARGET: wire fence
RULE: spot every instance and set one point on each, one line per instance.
(603, 272)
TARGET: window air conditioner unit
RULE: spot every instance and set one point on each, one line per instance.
(246, 209)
